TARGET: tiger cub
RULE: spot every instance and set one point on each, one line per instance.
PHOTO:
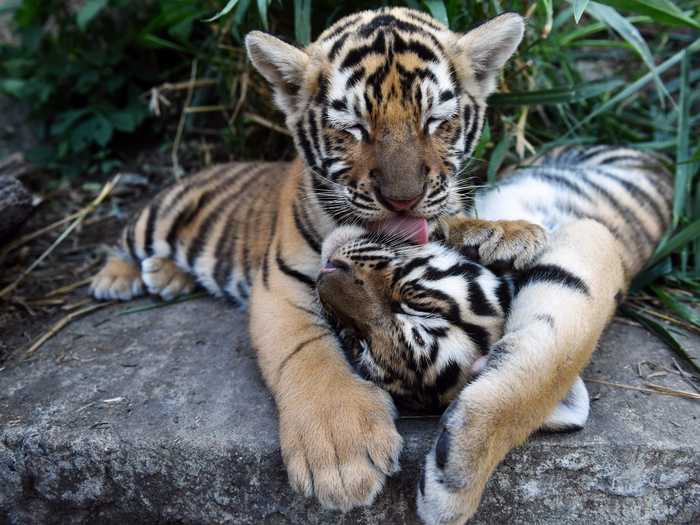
(419, 320)
(385, 108)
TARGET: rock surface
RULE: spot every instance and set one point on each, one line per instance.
(15, 206)
(160, 416)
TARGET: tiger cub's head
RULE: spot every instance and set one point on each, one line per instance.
(386, 106)
(414, 318)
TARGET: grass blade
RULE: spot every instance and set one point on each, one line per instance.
(675, 243)
(674, 305)
(226, 10)
(579, 8)
(497, 157)
(438, 10)
(555, 96)
(682, 179)
(262, 9)
(662, 11)
(302, 21)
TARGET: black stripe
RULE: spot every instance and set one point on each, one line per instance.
(313, 131)
(342, 25)
(265, 267)
(551, 273)
(478, 302)
(291, 272)
(129, 238)
(225, 250)
(305, 233)
(448, 377)
(225, 204)
(356, 55)
(298, 349)
(192, 208)
(638, 192)
(471, 132)
(303, 141)
(337, 46)
(152, 211)
(504, 292)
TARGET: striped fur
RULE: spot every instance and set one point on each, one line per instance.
(425, 314)
(605, 209)
(413, 319)
(385, 109)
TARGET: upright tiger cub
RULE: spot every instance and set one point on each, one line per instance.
(385, 108)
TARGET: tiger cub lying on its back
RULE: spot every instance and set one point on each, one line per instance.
(419, 320)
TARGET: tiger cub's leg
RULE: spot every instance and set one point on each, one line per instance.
(516, 241)
(119, 278)
(566, 299)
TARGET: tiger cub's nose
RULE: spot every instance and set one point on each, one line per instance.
(401, 204)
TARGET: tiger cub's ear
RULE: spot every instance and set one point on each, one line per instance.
(489, 46)
(281, 64)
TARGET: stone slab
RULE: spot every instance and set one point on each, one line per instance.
(161, 416)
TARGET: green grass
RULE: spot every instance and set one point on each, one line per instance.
(617, 72)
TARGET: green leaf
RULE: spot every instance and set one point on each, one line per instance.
(683, 170)
(497, 157)
(95, 130)
(123, 121)
(226, 10)
(662, 11)
(579, 8)
(680, 239)
(90, 10)
(302, 21)
(629, 33)
(262, 9)
(158, 42)
(673, 304)
(66, 120)
(438, 10)
(556, 95)
(13, 86)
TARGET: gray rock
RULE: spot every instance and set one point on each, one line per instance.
(161, 416)
(15, 206)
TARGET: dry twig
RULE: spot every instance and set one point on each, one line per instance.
(651, 389)
(60, 325)
(177, 169)
(266, 123)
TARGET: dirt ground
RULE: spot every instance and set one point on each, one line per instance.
(58, 286)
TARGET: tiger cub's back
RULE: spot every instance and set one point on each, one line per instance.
(627, 191)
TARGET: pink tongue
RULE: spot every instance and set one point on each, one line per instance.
(404, 227)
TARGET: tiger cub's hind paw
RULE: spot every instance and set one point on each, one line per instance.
(163, 277)
(118, 279)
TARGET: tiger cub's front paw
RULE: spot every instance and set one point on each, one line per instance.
(340, 448)
(456, 469)
(515, 242)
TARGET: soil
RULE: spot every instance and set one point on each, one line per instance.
(33, 306)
